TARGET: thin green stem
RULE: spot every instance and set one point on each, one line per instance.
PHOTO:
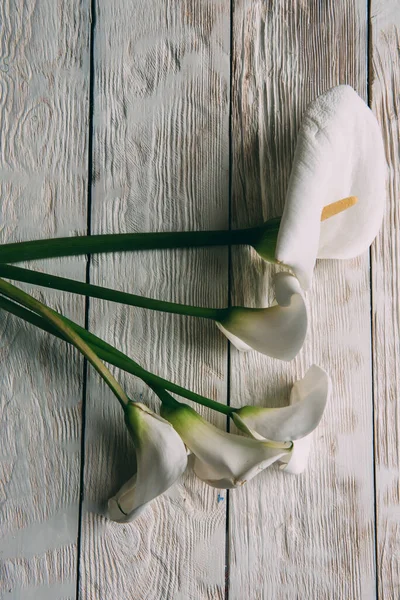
(67, 332)
(122, 242)
(96, 291)
(113, 356)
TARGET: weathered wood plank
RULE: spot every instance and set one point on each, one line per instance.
(385, 101)
(43, 114)
(160, 163)
(310, 536)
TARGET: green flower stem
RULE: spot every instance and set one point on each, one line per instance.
(122, 242)
(68, 333)
(96, 291)
(113, 356)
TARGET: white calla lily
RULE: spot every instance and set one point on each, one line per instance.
(160, 456)
(339, 153)
(277, 331)
(308, 399)
(221, 459)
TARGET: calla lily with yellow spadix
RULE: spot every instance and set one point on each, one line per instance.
(339, 154)
(308, 399)
(161, 458)
(221, 459)
(277, 331)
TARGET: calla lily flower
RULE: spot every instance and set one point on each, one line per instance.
(277, 331)
(221, 459)
(161, 458)
(308, 399)
(339, 153)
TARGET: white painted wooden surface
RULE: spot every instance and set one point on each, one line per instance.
(44, 78)
(162, 81)
(386, 293)
(310, 535)
(161, 163)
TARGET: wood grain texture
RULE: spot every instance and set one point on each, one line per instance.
(160, 163)
(310, 536)
(43, 114)
(161, 109)
(385, 101)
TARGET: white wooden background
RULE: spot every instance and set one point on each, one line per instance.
(138, 115)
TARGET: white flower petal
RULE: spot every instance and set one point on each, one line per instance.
(296, 462)
(234, 339)
(313, 384)
(221, 459)
(161, 458)
(277, 331)
(339, 153)
(308, 400)
(120, 505)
